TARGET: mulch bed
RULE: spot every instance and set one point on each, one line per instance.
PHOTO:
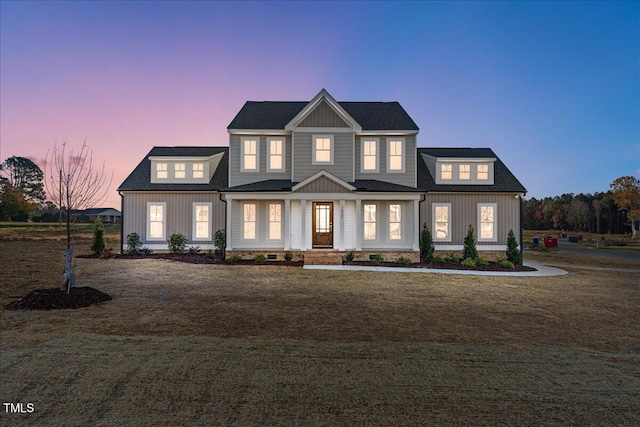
(54, 298)
(448, 265)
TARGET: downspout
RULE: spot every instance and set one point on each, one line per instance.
(121, 222)
(521, 221)
(224, 250)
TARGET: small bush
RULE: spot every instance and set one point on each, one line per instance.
(513, 253)
(426, 244)
(404, 261)
(288, 256)
(98, 242)
(234, 258)
(146, 251)
(469, 251)
(211, 254)
(177, 243)
(377, 259)
(506, 263)
(438, 259)
(452, 257)
(193, 250)
(468, 262)
(260, 258)
(483, 262)
(220, 241)
(134, 245)
(349, 257)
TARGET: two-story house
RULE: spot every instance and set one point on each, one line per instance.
(322, 176)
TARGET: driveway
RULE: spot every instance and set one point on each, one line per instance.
(565, 245)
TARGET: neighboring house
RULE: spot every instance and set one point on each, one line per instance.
(322, 177)
(99, 214)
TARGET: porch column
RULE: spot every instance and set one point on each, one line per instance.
(228, 232)
(358, 225)
(287, 224)
(342, 230)
(303, 223)
(416, 222)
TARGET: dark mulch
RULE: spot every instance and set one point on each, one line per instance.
(54, 298)
(448, 265)
(203, 259)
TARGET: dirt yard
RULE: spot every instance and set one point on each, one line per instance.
(184, 344)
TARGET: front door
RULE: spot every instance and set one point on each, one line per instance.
(322, 225)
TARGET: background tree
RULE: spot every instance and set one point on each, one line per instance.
(13, 205)
(626, 194)
(73, 182)
(24, 175)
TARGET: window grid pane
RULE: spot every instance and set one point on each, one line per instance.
(275, 221)
(180, 170)
(323, 150)
(156, 221)
(395, 222)
(202, 221)
(250, 157)
(249, 221)
(486, 222)
(161, 170)
(275, 154)
(395, 155)
(446, 172)
(369, 222)
(483, 172)
(442, 222)
(198, 170)
(370, 155)
(465, 171)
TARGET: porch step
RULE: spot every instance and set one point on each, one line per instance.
(323, 258)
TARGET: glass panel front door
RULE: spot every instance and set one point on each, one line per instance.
(322, 224)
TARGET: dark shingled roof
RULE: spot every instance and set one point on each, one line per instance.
(504, 180)
(276, 115)
(140, 178)
(369, 185)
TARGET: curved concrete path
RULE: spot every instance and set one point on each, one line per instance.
(542, 270)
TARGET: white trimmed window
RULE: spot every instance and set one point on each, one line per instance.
(156, 220)
(249, 154)
(369, 222)
(275, 221)
(487, 222)
(446, 171)
(162, 171)
(180, 170)
(249, 221)
(322, 149)
(395, 155)
(202, 221)
(197, 172)
(441, 215)
(369, 155)
(275, 155)
(464, 172)
(395, 222)
(483, 172)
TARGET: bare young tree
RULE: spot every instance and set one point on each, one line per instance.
(72, 182)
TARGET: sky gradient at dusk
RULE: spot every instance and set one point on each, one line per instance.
(552, 87)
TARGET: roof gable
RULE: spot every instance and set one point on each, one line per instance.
(324, 104)
(323, 182)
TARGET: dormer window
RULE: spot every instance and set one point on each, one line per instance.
(323, 149)
(465, 172)
(198, 171)
(483, 172)
(180, 170)
(275, 155)
(446, 172)
(249, 154)
(162, 171)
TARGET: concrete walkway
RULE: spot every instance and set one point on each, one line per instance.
(543, 270)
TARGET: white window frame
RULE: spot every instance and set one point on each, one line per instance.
(270, 237)
(495, 222)
(245, 222)
(180, 168)
(467, 166)
(331, 150)
(164, 221)
(194, 230)
(199, 171)
(433, 222)
(399, 222)
(376, 142)
(162, 167)
(450, 171)
(282, 154)
(403, 159)
(375, 222)
(242, 153)
(478, 172)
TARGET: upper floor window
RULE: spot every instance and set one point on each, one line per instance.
(323, 149)
(275, 156)
(446, 172)
(180, 170)
(198, 170)
(370, 222)
(249, 154)
(483, 172)
(162, 170)
(441, 221)
(487, 222)
(395, 155)
(465, 171)
(395, 222)
(369, 155)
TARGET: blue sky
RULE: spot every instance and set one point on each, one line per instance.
(552, 87)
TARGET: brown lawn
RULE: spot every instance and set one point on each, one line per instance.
(184, 344)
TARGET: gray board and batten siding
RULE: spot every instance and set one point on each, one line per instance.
(237, 177)
(323, 185)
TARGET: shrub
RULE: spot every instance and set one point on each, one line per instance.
(513, 253)
(146, 251)
(220, 241)
(506, 263)
(468, 262)
(480, 261)
(404, 261)
(177, 242)
(452, 257)
(210, 254)
(438, 259)
(349, 257)
(469, 251)
(377, 259)
(260, 258)
(426, 244)
(98, 242)
(288, 256)
(194, 250)
(234, 258)
(134, 245)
